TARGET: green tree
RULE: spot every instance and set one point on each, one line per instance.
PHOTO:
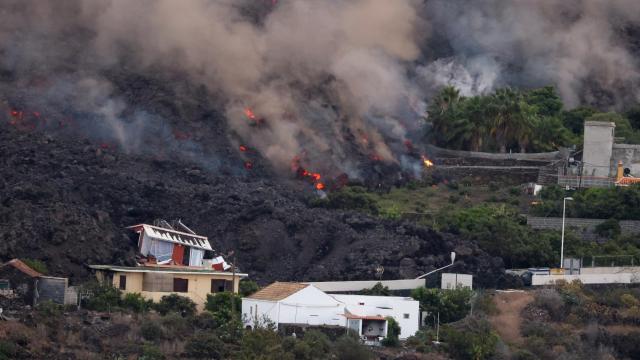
(546, 101)
(574, 119)
(513, 118)
(452, 305)
(205, 345)
(176, 303)
(473, 338)
(248, 287)
(393, 333)
(224, 306)
(377, 289)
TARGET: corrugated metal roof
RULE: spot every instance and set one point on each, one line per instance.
(163, 234)
(18, 264)
(278, 291)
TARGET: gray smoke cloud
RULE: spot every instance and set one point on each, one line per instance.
(580, 46)
(329, 78)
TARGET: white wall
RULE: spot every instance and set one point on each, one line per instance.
(307, 306)
(622, 278)
(393, 306)
(311, 306)
(263, 309)
(344, 286)
(453, 281)
(610, 270)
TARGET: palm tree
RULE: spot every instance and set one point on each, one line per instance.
(513, 118)
(442, 114)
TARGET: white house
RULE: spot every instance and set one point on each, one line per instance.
(405, 311)
(303, 304)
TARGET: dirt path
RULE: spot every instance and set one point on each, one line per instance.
(507, 322)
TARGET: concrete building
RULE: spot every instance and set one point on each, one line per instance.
(172, 261)
(154, 282)
(598, 148)
(304, 304)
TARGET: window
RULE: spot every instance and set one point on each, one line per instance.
(123, 282)
(220, 285)
(406, 316)
(180, 285)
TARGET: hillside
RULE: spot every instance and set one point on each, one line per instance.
(68, 202)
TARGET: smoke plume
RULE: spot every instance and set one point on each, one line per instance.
(324, 82)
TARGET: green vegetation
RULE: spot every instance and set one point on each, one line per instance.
(509, 119)
(176, 303)
(452, 305)
(37, 265)
(472, 338)
(248, 287)
(378, 289)
(393, 333)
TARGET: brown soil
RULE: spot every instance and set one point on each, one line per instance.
(507, 322)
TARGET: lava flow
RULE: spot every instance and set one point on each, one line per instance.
(426, 161)
(304, 174)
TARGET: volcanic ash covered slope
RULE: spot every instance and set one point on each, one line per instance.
(67, 202)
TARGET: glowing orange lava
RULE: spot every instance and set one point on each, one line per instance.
(249, 114)
(427, 162)
(320, 186)
(243, 148)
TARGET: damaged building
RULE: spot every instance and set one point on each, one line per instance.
(172, 260)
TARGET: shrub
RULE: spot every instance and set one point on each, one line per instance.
(318, 342)
(609, 229)
(223, 306)
(452, 305)
(37, 265)
(205, 345)
(7, 350)
(151, 352)
(176, 303)
(550, 300)
(248, 287)
(515, 191)
(349, 348)
(104, 297)
(378, 289)
(136, 303)
(255, 342)
(176, 326)
(485, 304)
(49, 309)
(393, 333)
(205, 321)
(150, 330)
(629, 300)
(494, 186)
(472, 339)
(353, 198)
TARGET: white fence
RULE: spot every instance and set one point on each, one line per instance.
(619, 278)
(342, 286)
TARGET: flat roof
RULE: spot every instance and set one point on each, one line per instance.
(165, 269)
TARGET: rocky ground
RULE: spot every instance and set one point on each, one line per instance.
(67, 202)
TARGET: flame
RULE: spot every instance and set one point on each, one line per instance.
(320, 186)
(426, 161)
(243, 148)
(249, 114)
